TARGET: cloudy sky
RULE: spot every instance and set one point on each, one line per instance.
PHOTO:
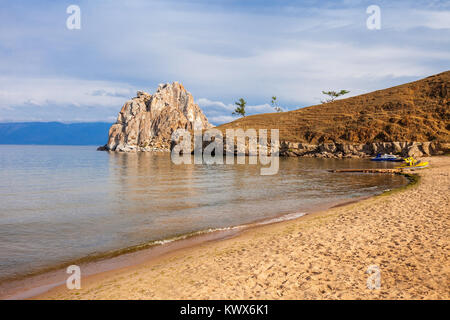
(220, 50)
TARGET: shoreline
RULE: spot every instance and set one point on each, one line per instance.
(58, 290)
(40, 282)
(324, 255)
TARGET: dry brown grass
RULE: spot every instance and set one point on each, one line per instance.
(416, 111)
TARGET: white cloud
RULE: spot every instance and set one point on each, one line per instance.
(218, 112)
(219, 52)
(221, 119)
(206, 103)
(63, 92)
(409, 19)
(262, 108)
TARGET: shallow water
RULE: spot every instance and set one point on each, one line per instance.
(60, 203)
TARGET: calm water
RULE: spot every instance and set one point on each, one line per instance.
(58, 203)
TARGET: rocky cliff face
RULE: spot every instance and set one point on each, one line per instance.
(146, 122)
(352, 150)
(346, 150)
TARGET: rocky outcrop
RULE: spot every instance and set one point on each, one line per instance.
(147, 122)
(346, 150)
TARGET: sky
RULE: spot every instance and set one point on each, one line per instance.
(220, 51)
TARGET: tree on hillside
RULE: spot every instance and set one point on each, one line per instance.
(240, 109)
(275, 105)
(333, 95)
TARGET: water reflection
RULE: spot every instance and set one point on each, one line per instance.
(64, 203)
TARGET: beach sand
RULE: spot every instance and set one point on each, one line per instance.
(324, 255)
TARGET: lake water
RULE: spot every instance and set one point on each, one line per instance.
(59, 204)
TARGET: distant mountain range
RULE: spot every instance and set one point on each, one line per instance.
(54, 133)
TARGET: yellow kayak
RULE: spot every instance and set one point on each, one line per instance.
(411, 163)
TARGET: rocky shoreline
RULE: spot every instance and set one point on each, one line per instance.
(336, 150)
(348, 150)
(146, 124)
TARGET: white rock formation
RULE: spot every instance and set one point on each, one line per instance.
(146, 122)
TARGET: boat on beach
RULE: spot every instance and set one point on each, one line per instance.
(386, 157)
(411, 163)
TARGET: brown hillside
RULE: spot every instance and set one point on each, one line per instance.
(415, 111)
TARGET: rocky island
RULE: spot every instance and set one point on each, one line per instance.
(146, 122)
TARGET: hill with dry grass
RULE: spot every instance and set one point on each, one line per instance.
(415, 111)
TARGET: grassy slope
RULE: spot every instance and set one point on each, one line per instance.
(416, 111)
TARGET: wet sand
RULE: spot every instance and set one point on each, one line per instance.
(324, 255)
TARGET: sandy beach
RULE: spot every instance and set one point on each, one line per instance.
(324, 255)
